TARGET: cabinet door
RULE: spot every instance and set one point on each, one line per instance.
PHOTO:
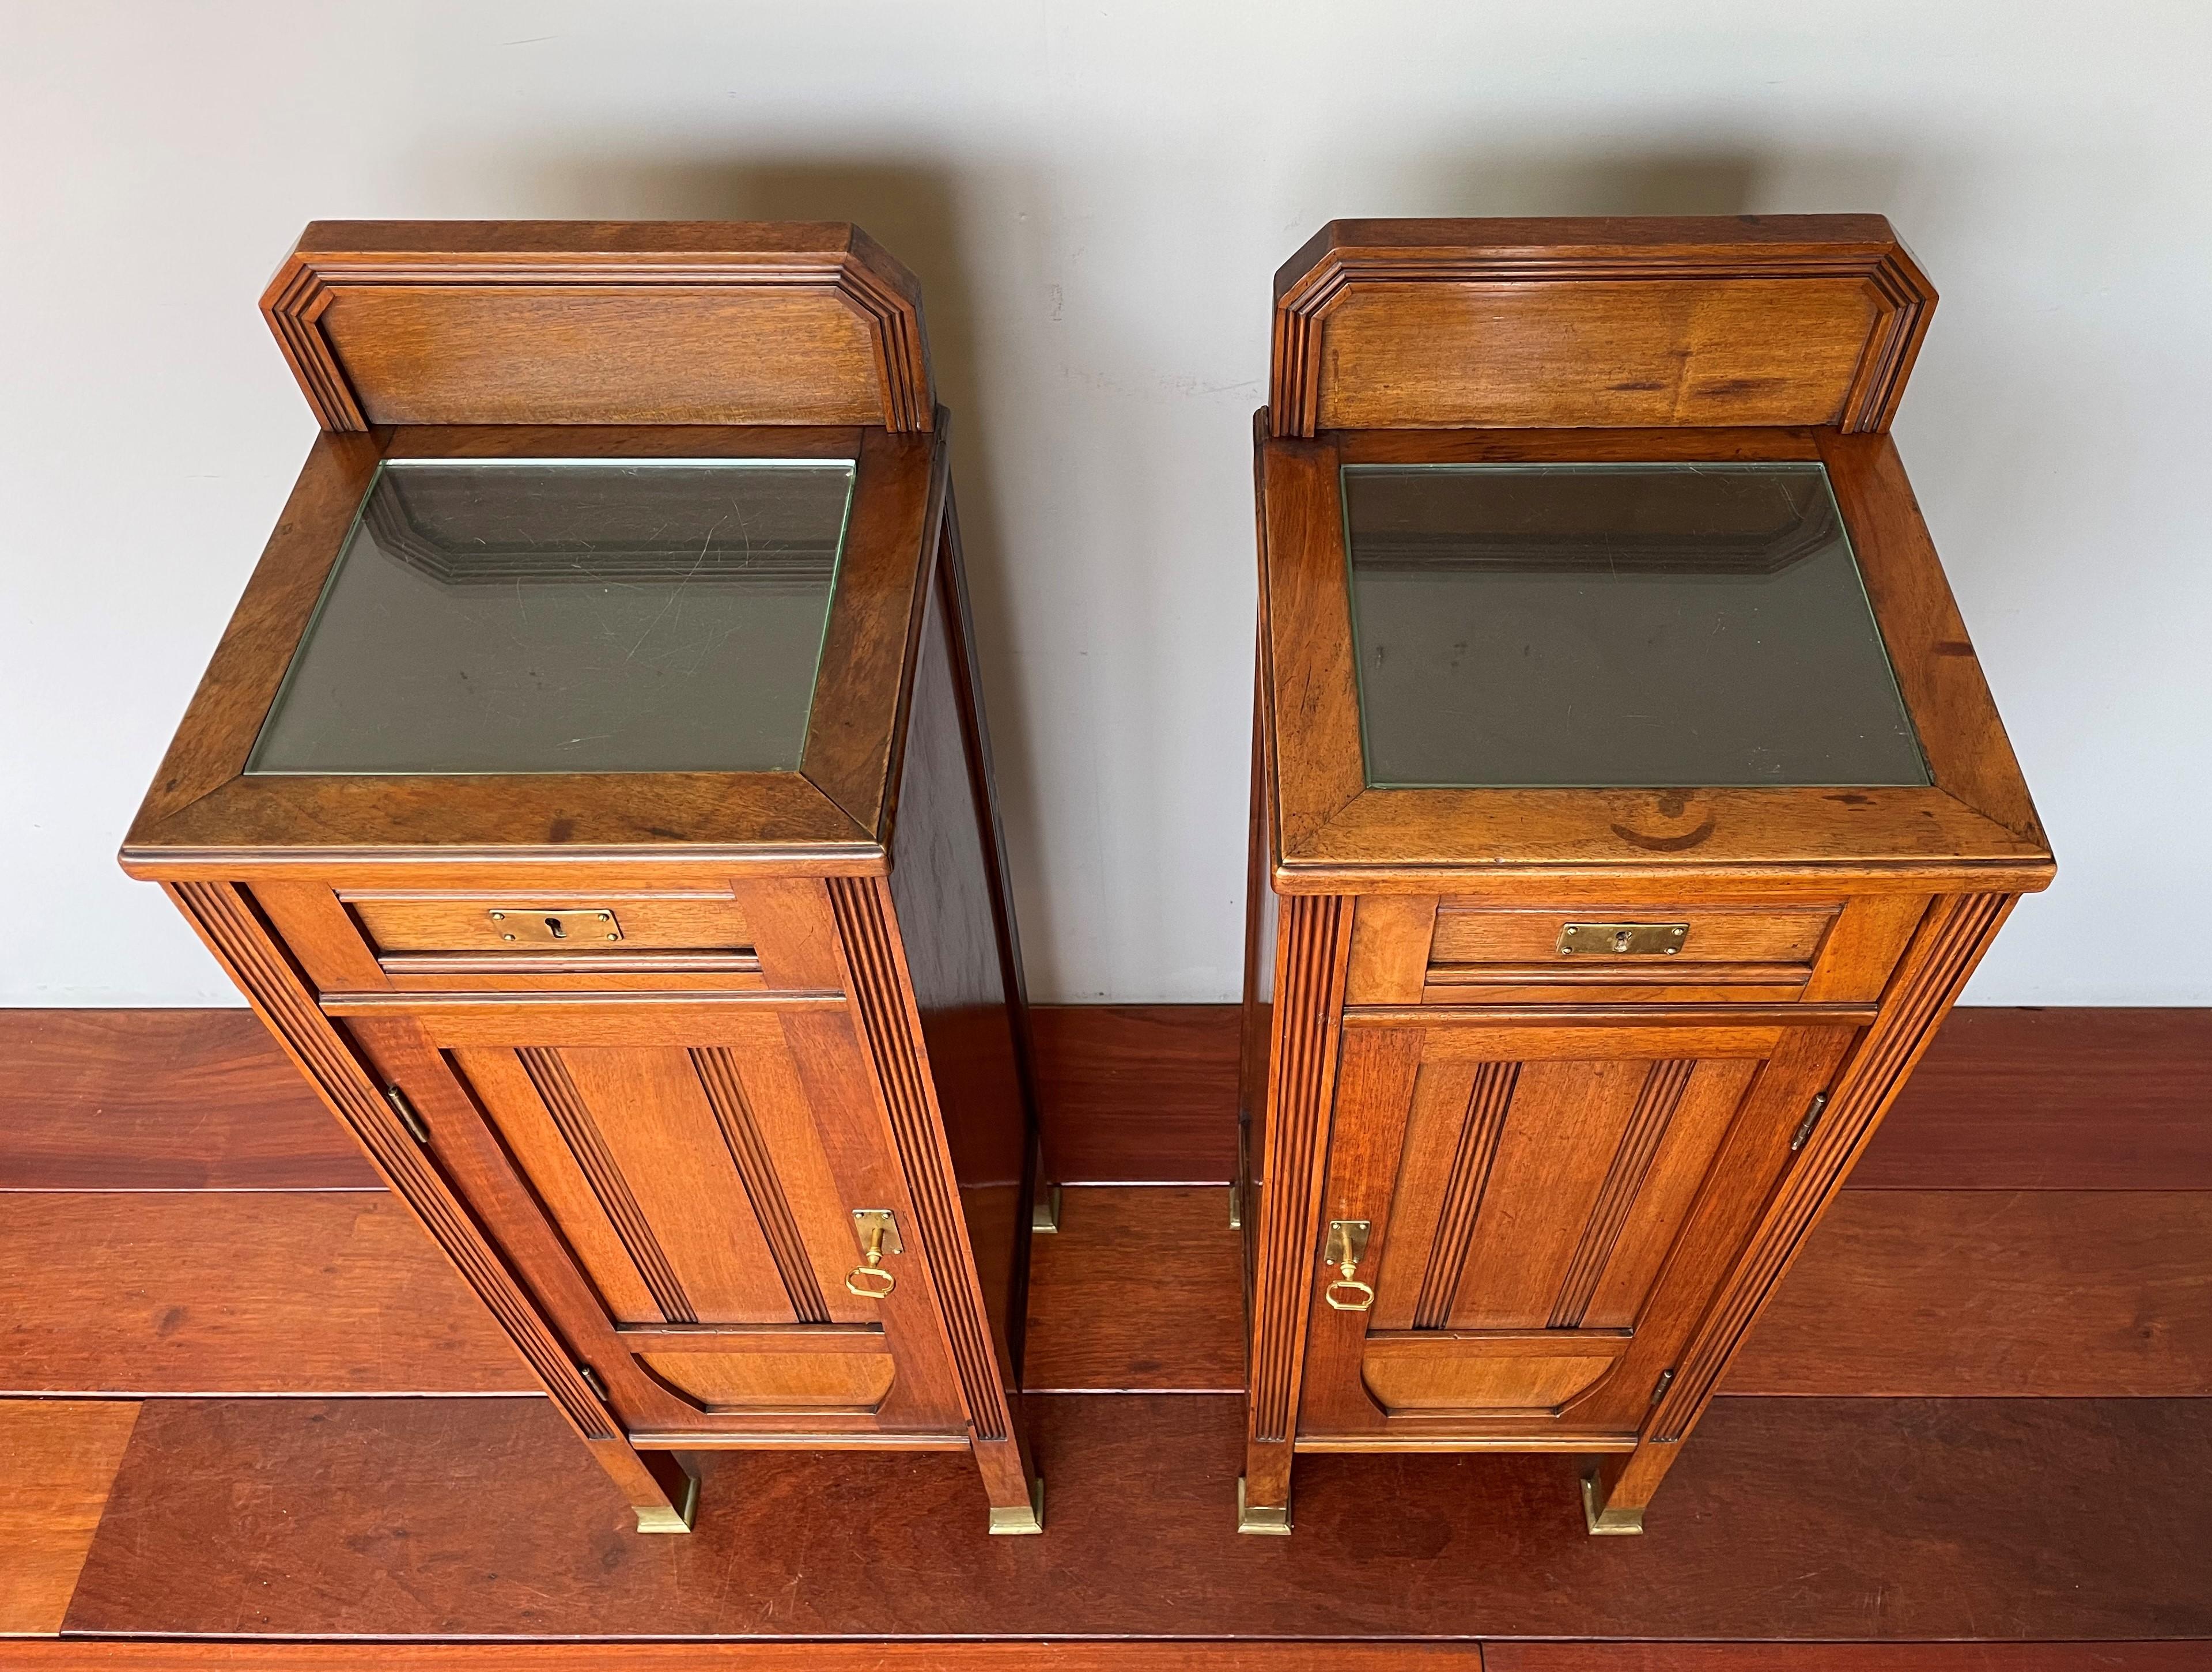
(676, 1183)
(1547, 1211)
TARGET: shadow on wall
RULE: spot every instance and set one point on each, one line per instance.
(914, 209)
(1692, 181)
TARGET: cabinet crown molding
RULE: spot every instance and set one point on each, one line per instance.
(601, 322)
(1808, 319)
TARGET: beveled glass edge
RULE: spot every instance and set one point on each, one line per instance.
(850, 466)
(1927, 780)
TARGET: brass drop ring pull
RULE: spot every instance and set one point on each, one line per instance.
(1365, 1295)
(863, 1281)
(876, 1230)
(1346, 1248)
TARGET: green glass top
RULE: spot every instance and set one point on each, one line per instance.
(568, 615)
(1674, 626)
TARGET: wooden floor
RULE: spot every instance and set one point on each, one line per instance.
(253, 1420)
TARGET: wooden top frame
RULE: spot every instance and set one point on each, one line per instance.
(1805, 320)
(1975, 828)
(535, 322)
(204, 818)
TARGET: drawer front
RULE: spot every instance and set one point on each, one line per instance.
(1549, 954)
(572, 936)
(1425, 950)
(1479, 935)
(538, 925)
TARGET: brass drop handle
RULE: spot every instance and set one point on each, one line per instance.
(1345, 1248)
(876, 1231)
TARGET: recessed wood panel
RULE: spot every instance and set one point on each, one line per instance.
(661, 1135)
(1431, 1372)
(1687, 353)
(1560, 1133)
(777, 1381)
(514, 354)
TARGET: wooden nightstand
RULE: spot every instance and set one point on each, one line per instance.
(591, 794)
(1635, 807)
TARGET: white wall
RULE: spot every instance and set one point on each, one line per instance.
(1095, 197)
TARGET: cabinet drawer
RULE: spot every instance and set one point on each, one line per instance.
(1488, 953)
(520, 933)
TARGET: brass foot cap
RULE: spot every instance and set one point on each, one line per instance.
(1014, 1523)
(657, 1518)
(1605, 1522)
(1273, 1520)
(1044, 1211)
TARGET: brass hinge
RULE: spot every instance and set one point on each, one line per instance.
(416, 1128)
(591, 1381)
(1659, 1390)
(1805, 1126)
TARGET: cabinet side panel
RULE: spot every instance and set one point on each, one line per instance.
(948, 922)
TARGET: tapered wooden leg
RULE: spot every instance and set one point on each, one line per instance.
(1618, 1486)
(1263, 1491)
(660, 1489)
(1011, 1481)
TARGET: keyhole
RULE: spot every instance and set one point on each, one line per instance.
(553, 927)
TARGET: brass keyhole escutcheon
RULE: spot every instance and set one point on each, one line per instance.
(537, 927)
(1345, 1248)
(876, 1231)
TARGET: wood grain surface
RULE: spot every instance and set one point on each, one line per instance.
(1137, 1093)
(236, 1293)
(2151, 1656)
(1141, 1292)
(100, 1654)
(162, 1100)
(1793, 1519)
(2065, 1098)
(58, 1460)
(2060, 1098)
(1994, 1294)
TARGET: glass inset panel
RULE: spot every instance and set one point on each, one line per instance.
(1616, 626)
(569, 616)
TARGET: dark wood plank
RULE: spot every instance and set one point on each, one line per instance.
(57, 1461)
(1901, 1294)
(2067, 1098)
(1141, 1292)
(2005, 1099)
(1137, 1093)
(162, 1100)
(1808, 1520)
(100, 1654)
(2006, 1294)
(2151, 1656)
(123, 1293)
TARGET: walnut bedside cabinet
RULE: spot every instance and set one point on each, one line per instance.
(1628, 810)
(591, 794)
